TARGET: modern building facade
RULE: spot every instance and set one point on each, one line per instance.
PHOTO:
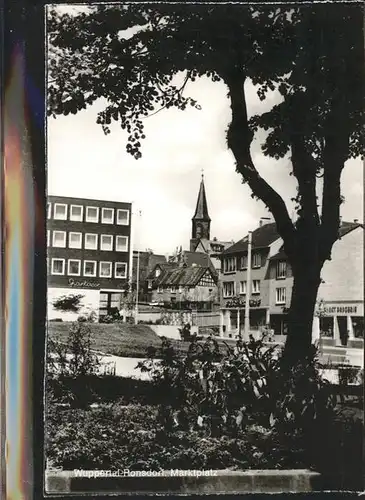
(89, 252)
(339, 313)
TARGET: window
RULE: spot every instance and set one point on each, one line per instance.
(109, 301)
(243, 262)
(230, 264)
(107, 216)
(105, 270)
(48, 237)
(280, 270)
(255, 286)
(256, 260)
(121, 243)
(76, 212)
(59, 239)
(91, 241)
(120, 270)
(122, 217)
(74, 240)
(74, 267)
(60, 211)
(228, 289)
(106, 242)
(58, 266)
(280, 295)
(92, 214)
(49, 210)
(90, 268)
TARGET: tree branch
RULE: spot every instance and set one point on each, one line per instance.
(239, 138)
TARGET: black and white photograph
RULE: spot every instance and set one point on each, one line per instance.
(205, 248)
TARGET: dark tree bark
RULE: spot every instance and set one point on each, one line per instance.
(307, 244)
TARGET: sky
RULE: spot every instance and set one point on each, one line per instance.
(163, 185)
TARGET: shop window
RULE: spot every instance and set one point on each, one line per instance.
(109, 302)
(358, 326)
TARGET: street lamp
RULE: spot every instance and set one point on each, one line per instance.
(248, 287)
(139, 213)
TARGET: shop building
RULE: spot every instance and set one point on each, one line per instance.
(339, 312)
(265, 243)
(340, 305)
(89, 253)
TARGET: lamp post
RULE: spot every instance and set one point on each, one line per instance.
(248, 287)
(139, 213)
(320, 314)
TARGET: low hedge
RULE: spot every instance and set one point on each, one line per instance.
(105, 388)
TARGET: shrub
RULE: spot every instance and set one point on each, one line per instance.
(68, 303)
(224, 391)
(74, 360)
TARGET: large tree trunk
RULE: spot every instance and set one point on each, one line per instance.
(302, 308)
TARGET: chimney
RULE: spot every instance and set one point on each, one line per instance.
(356, 221)
(264, 220)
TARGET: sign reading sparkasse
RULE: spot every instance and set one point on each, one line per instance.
(83, 283)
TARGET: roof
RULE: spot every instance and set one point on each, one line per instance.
(201, 211)
(345, 228)
(262, 237)
(209, 244)
(182, 276)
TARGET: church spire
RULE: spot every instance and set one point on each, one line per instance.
(201, 211)
(201, 219)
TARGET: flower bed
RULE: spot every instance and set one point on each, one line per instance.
(113, 437)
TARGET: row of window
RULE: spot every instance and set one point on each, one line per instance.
(229, 290)
(230, 265)
(61, 211)
(229, 287)
(88, 269)
(59, 240)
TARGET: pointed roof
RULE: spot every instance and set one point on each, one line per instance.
(201, 211)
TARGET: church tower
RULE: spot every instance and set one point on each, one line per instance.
(201, 219)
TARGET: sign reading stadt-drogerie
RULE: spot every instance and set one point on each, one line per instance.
(341, 309)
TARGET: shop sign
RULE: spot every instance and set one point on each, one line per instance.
(341, 309)
(83, 283)
(242, 303)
